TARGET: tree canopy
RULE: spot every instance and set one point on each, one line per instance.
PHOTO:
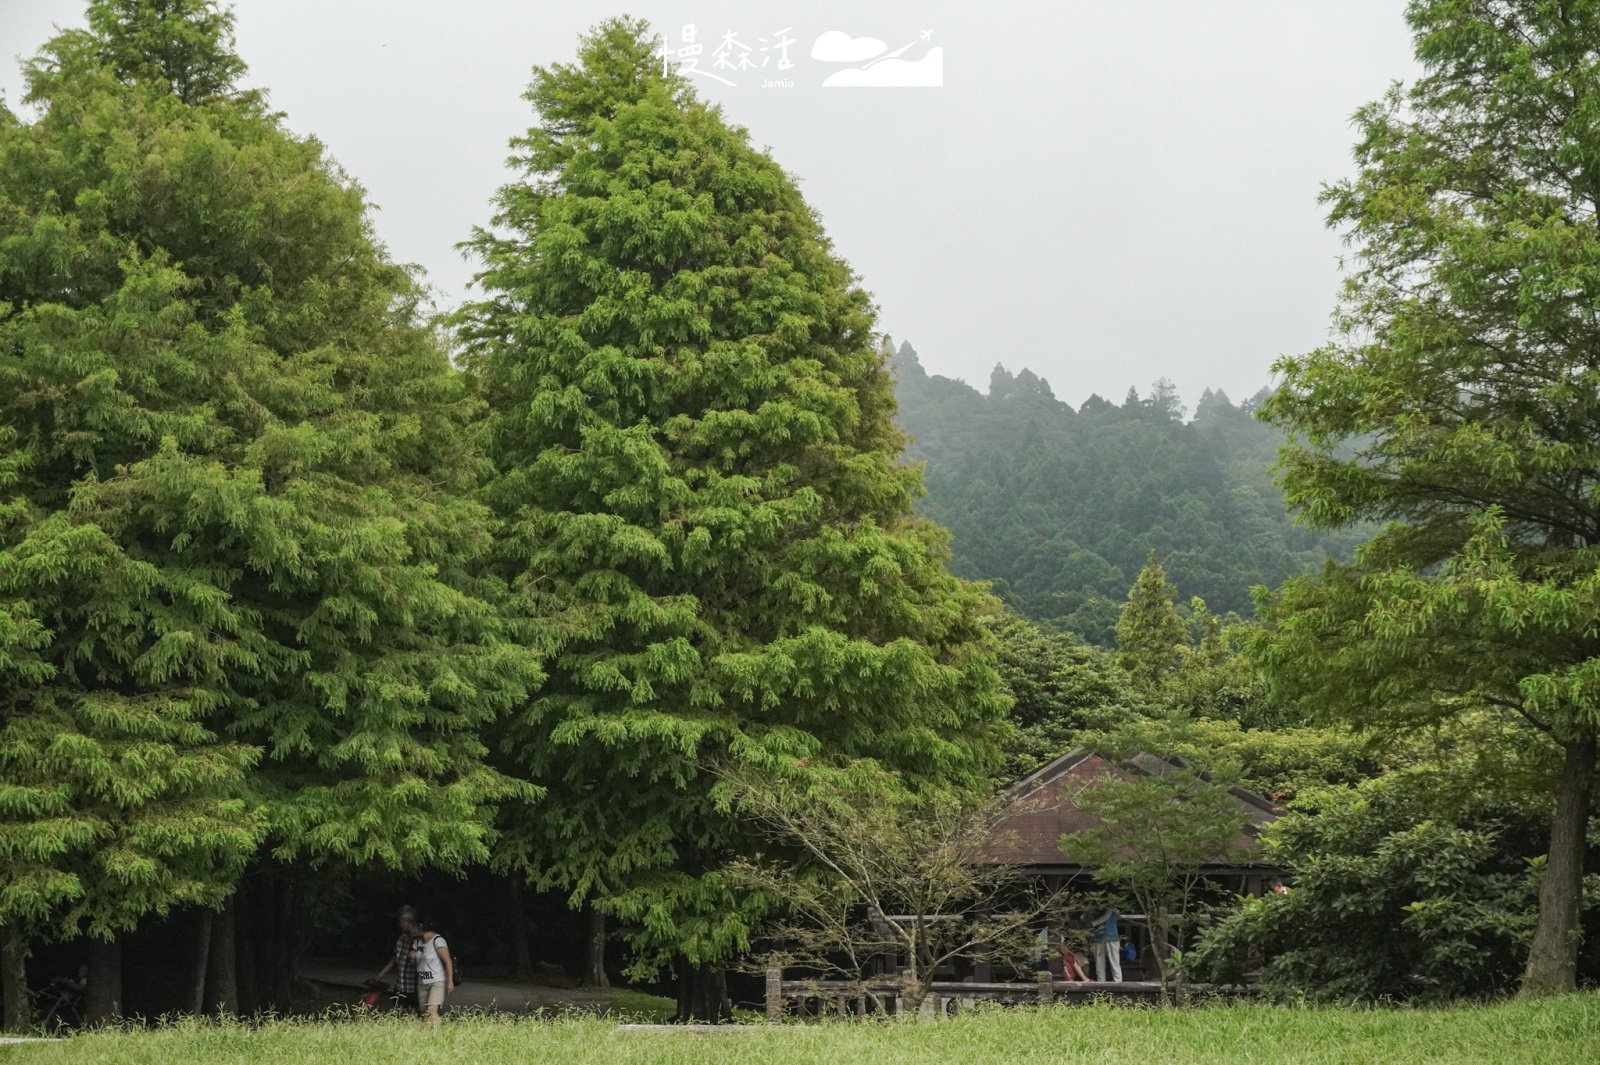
(707, 525)
(1459, 402)
(236, 529)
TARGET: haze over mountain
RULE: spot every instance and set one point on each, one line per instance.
(1060, 507)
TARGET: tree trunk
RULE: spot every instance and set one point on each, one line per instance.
(102, 999)
(913, 985)
(1160, 950)
(702, 994)
(244, 944)
(264, 924)
(222, 981)
(1553, 959)
(594, 951)
(283, 951)
(520, 960)
(14, 996)
(202, 962)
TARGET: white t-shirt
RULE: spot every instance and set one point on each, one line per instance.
(430, 970)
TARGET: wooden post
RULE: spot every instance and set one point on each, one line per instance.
(774, 995)
(1047, 987)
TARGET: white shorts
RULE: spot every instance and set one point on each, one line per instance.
(431, 994)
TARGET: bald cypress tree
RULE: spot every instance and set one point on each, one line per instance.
(235, 529)
(1458, 402)
(707, 524)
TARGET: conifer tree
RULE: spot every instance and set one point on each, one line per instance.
(235, 522)
(1151, 638)
(707, 522)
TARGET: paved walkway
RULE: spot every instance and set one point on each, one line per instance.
(501, 996)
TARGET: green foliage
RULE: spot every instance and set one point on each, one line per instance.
(1060, 688)
(234, 524)
(1218, 680)
(1066, 692)
(1151, 641)
(1061, 507)
(1398, 892)
(706, 525)
(186, 44)
(1459, 400)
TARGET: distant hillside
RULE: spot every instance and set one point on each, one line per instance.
(1059, 507)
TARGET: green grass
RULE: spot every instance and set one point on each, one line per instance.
(639, 1006)
(1552, 1032)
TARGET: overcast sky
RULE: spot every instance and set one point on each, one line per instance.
(1104, 191)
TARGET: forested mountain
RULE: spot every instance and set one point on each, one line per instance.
(1060, 507)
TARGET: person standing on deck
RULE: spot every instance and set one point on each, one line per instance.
(1106, 945)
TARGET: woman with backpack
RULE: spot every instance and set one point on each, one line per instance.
(435, 971)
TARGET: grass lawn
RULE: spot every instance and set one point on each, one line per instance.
(1548, 1033)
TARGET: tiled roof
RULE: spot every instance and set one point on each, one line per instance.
(1044, 807)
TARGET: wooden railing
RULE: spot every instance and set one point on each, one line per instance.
(844, 998)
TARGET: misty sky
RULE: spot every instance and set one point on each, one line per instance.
(1104, 191)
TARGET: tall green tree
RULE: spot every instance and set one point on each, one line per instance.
(1151, 639)
(706, 519)
(1460, 401)
(235, 515)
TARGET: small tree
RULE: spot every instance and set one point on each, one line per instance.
(1151, 638)
(1158, 826)
(882, 870)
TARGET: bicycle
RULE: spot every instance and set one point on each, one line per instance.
(61, 1003)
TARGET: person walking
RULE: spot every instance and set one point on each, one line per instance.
(435, 971)
(403, 962)
(1106, 945)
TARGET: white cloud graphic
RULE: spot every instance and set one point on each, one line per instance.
(927, 72)
(836, 46)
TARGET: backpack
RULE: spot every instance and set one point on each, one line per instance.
(1129, 951)
(455, 964)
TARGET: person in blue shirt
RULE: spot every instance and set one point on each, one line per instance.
(1103, 940)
